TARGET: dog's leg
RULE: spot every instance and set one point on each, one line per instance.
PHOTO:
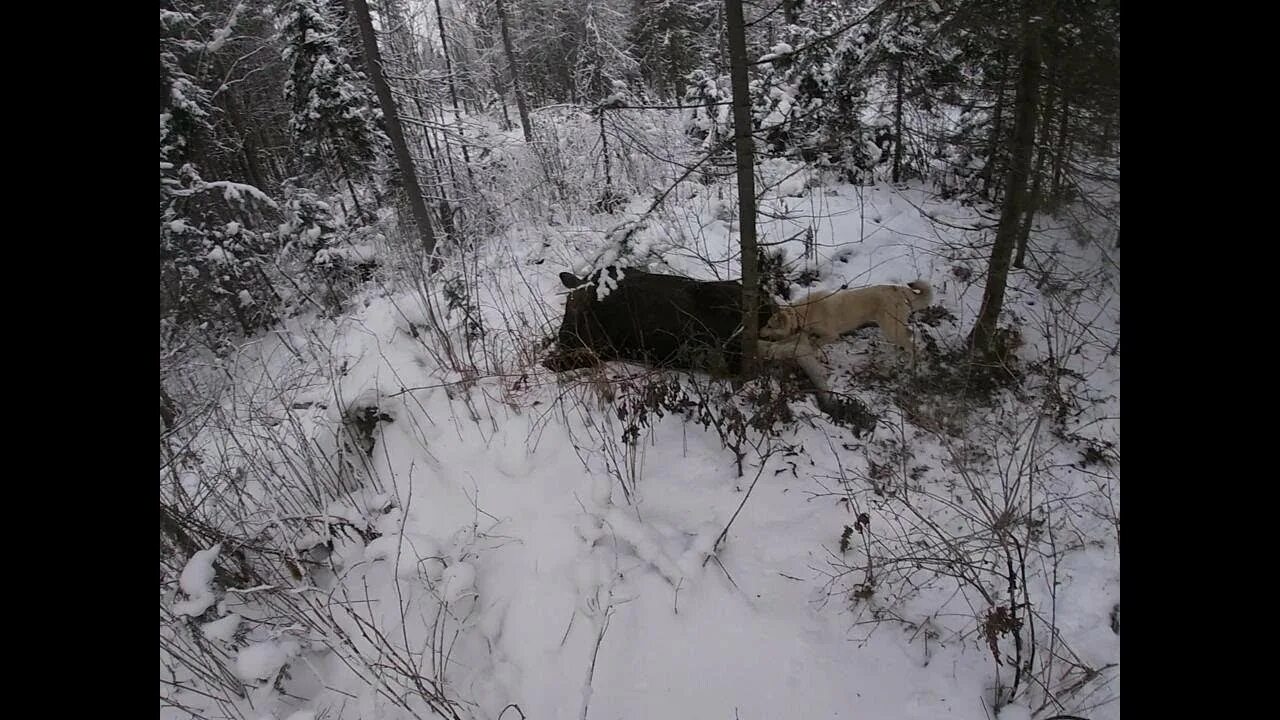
(798, 349)
(820, 338)
(896, 331)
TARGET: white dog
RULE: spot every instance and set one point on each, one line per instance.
(828, 315)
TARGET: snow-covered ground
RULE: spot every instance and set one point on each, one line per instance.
(530, 563)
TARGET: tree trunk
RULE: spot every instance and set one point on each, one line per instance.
(1060, 151)
(168, 409)
(421, 133)
(791, 11)
(509, 49)
(346, 175)
(746, 184)
(997, 134)
(1033, 205)
(453, 91)
(501, 89)
(249, 160)
(1104, 142)
(982, 339)
(722, 42)
(1037, 182)
(442, 144)
(409, 175)
(897, 126)
(608, 168)
(354, 199)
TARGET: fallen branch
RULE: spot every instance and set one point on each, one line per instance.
(723, 533)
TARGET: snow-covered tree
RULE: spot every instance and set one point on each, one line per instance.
(710, 117)
(334, 120)
(915, 63)
(211, 274)
(183, 102)
(810, 97)
(668, 39)
(573, 51)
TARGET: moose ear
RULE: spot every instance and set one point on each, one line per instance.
(570, 280)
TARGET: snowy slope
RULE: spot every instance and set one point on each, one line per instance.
(513, 567)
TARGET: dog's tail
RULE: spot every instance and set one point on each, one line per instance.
(922, 294)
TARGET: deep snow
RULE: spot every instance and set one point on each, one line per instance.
(512, 546)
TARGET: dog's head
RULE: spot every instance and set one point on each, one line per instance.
(920, 294)
(782, 323)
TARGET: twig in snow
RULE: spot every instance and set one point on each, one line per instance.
(725, 532)
(568, 627)
(591, 671)
(725, 570)
(512, 705)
